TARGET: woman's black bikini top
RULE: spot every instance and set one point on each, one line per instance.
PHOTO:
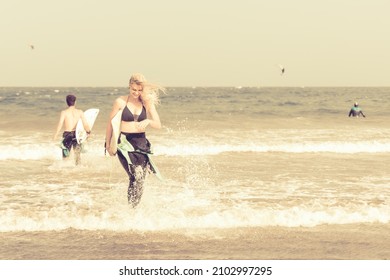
(127, 115)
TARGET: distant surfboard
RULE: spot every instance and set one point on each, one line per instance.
(116, 131)
(90, 115)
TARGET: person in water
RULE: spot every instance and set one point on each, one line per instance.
(356, 111)
(138, 113)
(69, 118)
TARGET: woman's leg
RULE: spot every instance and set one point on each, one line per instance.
(136, 184)
(136, 175)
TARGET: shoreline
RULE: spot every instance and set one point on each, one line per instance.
(325, 242)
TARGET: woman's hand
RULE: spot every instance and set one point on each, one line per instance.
(108, 150)
(141, 126)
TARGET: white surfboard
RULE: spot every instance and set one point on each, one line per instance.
(90, 115)
(116, 131)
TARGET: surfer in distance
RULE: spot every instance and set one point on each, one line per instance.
(137, 112)
(68, 119)
(356, 111)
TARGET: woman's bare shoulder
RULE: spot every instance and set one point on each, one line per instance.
(121, 100)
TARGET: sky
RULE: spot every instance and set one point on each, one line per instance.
(99, 43)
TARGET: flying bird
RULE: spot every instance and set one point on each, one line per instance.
(282, 69)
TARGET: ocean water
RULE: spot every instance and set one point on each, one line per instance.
(233, 160)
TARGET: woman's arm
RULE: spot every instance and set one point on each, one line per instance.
(153, 118)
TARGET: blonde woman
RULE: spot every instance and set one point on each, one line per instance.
(137, 112)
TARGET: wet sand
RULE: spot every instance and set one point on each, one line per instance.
(336, 242)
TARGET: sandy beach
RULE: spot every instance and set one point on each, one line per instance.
(336, 242)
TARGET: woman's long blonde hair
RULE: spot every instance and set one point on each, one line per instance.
(151, 92)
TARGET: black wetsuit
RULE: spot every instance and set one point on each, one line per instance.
(69, 141)
(356, 112)
(137, 168)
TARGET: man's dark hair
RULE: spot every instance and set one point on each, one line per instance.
(70, 100)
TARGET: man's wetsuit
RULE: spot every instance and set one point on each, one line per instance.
(69, 141)
(356, 112)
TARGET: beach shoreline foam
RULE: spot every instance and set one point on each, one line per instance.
(325, 242)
